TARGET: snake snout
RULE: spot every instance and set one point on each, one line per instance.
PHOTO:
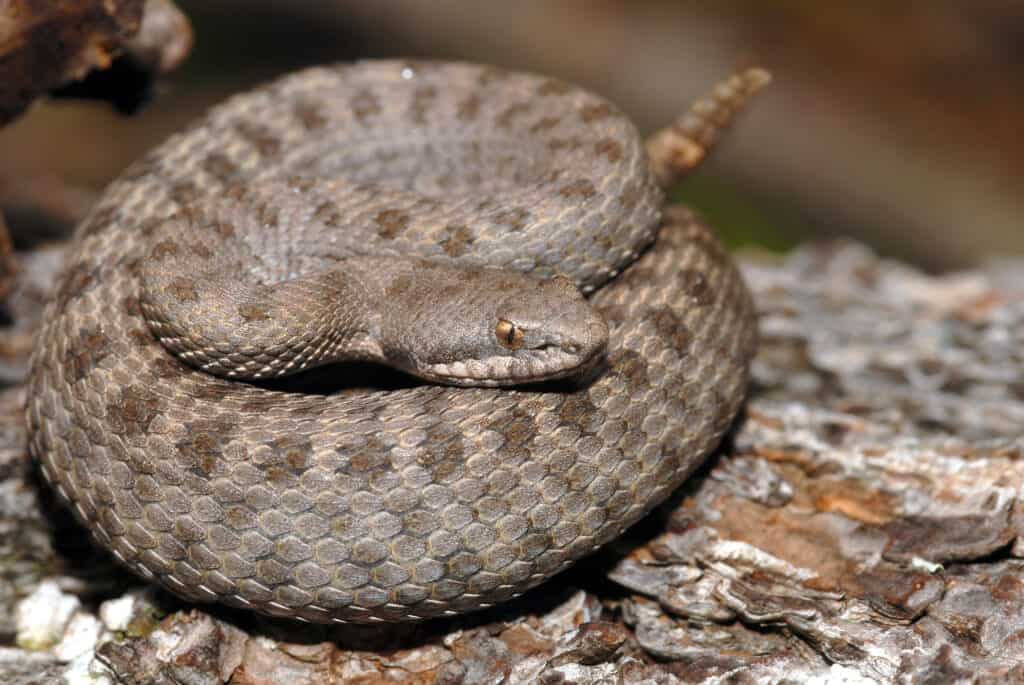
(590, 340)
(570, 324)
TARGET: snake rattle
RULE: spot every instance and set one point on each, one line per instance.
(467, 225)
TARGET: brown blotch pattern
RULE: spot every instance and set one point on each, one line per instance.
(136, 410)
(100, 219)
(695, 284)
(269, 214)
(504, 119)
(458, 241)
(202, 448)
(235, 191)
(630, 196)
(292, 452)
(580, 188)
(422, 100)
(630, 365)
(521, 430)
(553, 87)
(391, 222)
(368, 457)
(514, 218)
(469, 108)
(183, 289)
(444, 451)
(163, 249)
(592, 113)
(545, 124)
(609, 148)
(224, 230)
(259, 137)
(556, 144)
(365, 105)
(250, 312)
(184, 193)
(151, 224)
(576, 410)
(165, 366)
(308, 114)
(214, 392)
(220, 167)
(141, 337)
(131, 306)
(92, 348)
(517, 428)
(671, 328)
(327, 213)
(133, 267)
(201, 250)
(78, 280)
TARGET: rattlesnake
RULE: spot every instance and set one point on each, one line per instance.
(406, 200)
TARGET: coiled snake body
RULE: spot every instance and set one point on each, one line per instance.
(429, 215)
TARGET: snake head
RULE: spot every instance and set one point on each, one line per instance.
(487, 327)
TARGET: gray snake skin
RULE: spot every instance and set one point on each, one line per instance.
(408, 500)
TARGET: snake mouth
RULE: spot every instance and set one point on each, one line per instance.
(528, 366)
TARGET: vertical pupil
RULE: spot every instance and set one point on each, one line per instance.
(510, 337)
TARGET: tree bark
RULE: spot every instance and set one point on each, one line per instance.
(863, 520)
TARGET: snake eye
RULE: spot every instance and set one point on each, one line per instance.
(508, 334)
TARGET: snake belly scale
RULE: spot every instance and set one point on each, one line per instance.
(384, 504)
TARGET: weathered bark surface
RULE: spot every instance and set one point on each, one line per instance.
(46, 44)
(863, 522)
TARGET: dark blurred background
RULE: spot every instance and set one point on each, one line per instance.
(894, 123)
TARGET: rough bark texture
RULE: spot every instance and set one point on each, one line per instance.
(862, 523)
(45, 45)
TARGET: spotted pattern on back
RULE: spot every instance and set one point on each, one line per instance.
(388, 505)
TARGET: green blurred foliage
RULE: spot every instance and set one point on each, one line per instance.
(741, 219)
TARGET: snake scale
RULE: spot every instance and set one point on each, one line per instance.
(444, 218)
